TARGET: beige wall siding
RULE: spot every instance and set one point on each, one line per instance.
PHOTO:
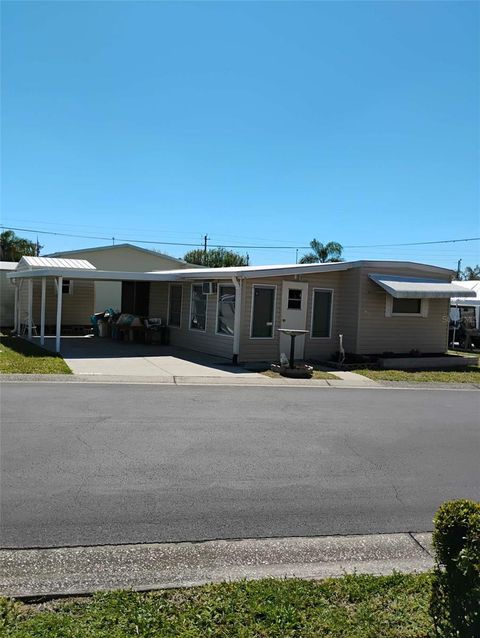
(77, 308)
(7, 300)
(207, 341)
(378, 333)
(345, 287)
(127, 259)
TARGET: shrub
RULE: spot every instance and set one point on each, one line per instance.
(455, 601)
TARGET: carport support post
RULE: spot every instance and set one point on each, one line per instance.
(59, 313)
(237, 319)
(30, 306)
(15, 312)
(42, 311)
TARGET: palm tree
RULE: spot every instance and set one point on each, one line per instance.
(471, 273)
(323, 253)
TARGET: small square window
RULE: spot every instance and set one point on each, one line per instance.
(294, 299)
(67, 287)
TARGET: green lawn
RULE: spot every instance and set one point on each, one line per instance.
(469, 375)
(18, 356)
(349, 607)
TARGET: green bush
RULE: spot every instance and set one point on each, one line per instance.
(455, 601)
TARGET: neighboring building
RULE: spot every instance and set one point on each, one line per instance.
(467, 307)
(378, 306)
(108, 294)
(7, 294)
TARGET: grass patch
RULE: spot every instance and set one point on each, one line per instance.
(471, 374)
(18, 356)
(349, 607)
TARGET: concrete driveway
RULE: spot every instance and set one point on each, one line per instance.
(95, 356)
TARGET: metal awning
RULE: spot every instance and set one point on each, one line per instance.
(414, 287)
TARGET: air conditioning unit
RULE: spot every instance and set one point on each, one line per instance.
(209, 288)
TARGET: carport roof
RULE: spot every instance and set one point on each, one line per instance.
(186, 274)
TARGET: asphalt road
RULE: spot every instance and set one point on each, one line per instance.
(94, 464)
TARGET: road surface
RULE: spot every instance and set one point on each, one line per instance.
(89, 464)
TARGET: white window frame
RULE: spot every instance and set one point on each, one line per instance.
(389, 308)
(274, 286)
(220, 285)
(171, 325)
(330, 325)
(191, 305)
(70, 286)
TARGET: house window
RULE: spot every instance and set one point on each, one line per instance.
(413, 307)
(198, 308)
(322, 314)
(175, 305)
(67, 287)
(406, 306)
(263, 312)
(226, 310)
(294, 299)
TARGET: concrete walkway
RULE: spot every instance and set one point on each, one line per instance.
(81, 570)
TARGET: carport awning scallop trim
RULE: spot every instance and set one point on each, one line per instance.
(414, 287)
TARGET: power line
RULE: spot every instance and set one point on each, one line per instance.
(242, 246)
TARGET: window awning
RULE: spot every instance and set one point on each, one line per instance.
(413, 287)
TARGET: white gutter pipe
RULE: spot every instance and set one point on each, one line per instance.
(237, 323)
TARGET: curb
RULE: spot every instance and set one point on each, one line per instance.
(268, 382)
(31, 573)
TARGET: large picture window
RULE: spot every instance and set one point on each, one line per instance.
(322, 314)
(226, 310)
(198, 308)
(263, 312)
(175, 305)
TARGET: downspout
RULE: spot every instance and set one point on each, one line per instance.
(237, 324)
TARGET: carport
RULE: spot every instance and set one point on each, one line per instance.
(48, 269)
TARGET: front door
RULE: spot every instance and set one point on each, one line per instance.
(294, 315)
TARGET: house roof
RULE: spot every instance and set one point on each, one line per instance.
(156, 253)
(414, 287)
(8, 265)
(241, 272)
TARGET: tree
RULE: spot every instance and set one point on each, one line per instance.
(13, 247)
(471, 273)
(216, 258)
(322, 253)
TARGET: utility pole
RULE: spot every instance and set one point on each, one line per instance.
(296, 255)
(459, 265)
(205, 239)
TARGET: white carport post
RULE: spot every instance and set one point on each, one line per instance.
(237, 319)
(15, 312)
(30, 307)
(42, 311)
(59, 313)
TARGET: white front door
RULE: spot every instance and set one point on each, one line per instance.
(294, 315)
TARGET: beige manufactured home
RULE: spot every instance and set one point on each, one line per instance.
(377, 306)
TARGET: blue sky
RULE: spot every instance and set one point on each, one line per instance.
(257, 123)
